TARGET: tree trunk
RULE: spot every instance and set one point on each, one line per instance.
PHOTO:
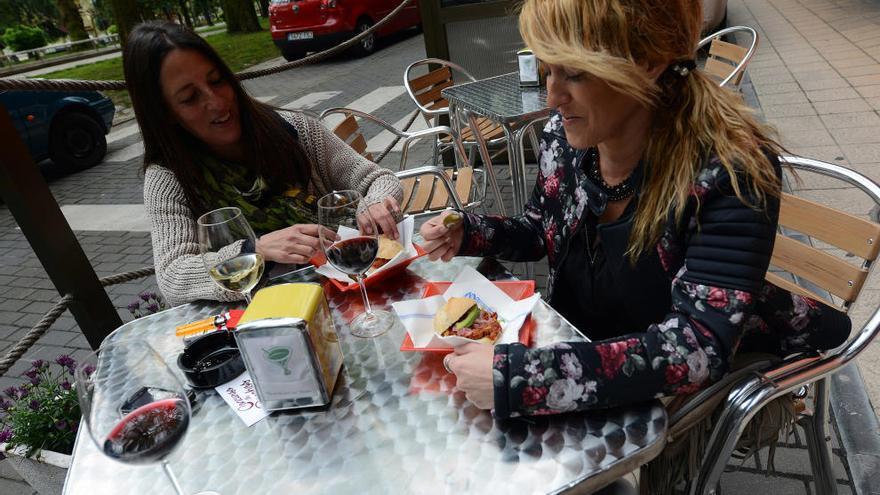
(241, 17)
(127, 15)
(264, 8)
(184, 9)
(71, 20)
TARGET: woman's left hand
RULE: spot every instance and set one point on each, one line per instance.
(385, 215)
(472, 365)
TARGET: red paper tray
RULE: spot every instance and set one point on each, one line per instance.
(374, 278)
(516, 289)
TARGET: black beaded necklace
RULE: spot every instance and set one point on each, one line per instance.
(618, 192)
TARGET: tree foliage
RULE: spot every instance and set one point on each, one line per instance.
(71, 20)
(21, 38)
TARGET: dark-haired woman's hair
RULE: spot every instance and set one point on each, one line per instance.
(269, 147)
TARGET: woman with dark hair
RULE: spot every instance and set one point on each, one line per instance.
(208, 144)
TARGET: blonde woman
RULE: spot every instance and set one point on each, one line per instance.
(656, 204)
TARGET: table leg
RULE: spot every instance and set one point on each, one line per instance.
(487, 161)
(517, 162)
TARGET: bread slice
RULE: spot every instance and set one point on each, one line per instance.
(388, 248)
(451, 312)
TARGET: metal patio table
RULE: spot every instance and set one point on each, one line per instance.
(502, 100)
(396, 424)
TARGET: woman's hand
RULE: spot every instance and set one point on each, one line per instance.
(442, 240)
(385, 215)
(296, 244)
(472, 365)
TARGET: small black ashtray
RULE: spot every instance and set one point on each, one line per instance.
(210, 360)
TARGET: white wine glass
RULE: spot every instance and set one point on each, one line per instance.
(228, 245)
(353, 255)
(135, 408)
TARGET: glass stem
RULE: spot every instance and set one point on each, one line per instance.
(172, 478)
(364, 293)
(247, 297)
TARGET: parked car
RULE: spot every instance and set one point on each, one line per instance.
(300, 26)
(714, 15)
(70, 127)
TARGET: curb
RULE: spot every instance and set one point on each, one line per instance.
(858, 428)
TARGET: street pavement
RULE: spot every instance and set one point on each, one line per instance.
(816, 77)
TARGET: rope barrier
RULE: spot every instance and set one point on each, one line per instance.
(84, 85)
(35, 333)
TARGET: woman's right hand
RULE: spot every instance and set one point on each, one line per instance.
(442, 239)
(293, 245)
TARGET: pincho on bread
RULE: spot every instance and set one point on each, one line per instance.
(463, 317)
(388, 249)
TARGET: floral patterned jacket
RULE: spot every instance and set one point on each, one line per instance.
(714, 260)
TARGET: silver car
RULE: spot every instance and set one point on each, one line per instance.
(714, 15)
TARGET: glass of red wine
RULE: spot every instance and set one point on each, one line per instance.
(134, 406)
(353, 255)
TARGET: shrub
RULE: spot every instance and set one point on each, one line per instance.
(43, 413)
(20, 38)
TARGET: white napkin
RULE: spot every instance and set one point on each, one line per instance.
(241, 396)
(405, 232)
(417, 315)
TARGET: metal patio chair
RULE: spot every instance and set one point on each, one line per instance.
(426, 189)
(727, 61)
(815, 273)
(424, 90)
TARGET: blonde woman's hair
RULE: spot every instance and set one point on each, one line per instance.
(613, 40)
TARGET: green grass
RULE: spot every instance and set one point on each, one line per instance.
(240, 51)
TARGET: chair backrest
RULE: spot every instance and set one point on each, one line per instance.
(350, 131)
(728, 61)
(425, 189)
(425, 89)
(814, 269)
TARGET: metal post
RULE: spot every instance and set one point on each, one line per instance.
(29, 199)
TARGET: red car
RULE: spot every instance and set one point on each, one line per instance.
(300, 26)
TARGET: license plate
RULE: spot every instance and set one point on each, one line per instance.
(302, 35)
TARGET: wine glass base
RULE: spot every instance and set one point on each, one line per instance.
(373, 324)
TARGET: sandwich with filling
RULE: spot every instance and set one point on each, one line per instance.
(463, 317)
(388, 249)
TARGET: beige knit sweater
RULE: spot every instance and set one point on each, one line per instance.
(180, 271)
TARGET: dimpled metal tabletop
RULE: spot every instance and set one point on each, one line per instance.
(500, 98)
(396, 424)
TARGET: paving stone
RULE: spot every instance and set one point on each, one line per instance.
(857, 135)
(832, 94)
(840, 106)
(848, 120)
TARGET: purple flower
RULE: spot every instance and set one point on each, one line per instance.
(145, 296)
(5, 405)
(88, 369)
(61, 425)
(11, 392)
(35, 405)
(66, 361)
(65, 385)
(153, 307)
(74, 425)
(5, 435)
(134, 306)
(23, 392)
(38, 364)
(35, 380)
(32, 373)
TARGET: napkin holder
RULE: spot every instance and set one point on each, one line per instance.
(530, 72)
(290, 346)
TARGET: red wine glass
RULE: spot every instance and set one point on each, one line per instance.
(355, 254)
(135, 408)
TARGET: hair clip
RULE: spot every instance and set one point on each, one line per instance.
(683, 67)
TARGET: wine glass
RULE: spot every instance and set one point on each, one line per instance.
(228, 245)
(135, 408)
(353, 255)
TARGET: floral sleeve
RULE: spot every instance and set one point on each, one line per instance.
(719, 259)
(519, 238)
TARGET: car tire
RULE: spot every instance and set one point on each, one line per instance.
(292, 54)
(366, 45)
(77, 141)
